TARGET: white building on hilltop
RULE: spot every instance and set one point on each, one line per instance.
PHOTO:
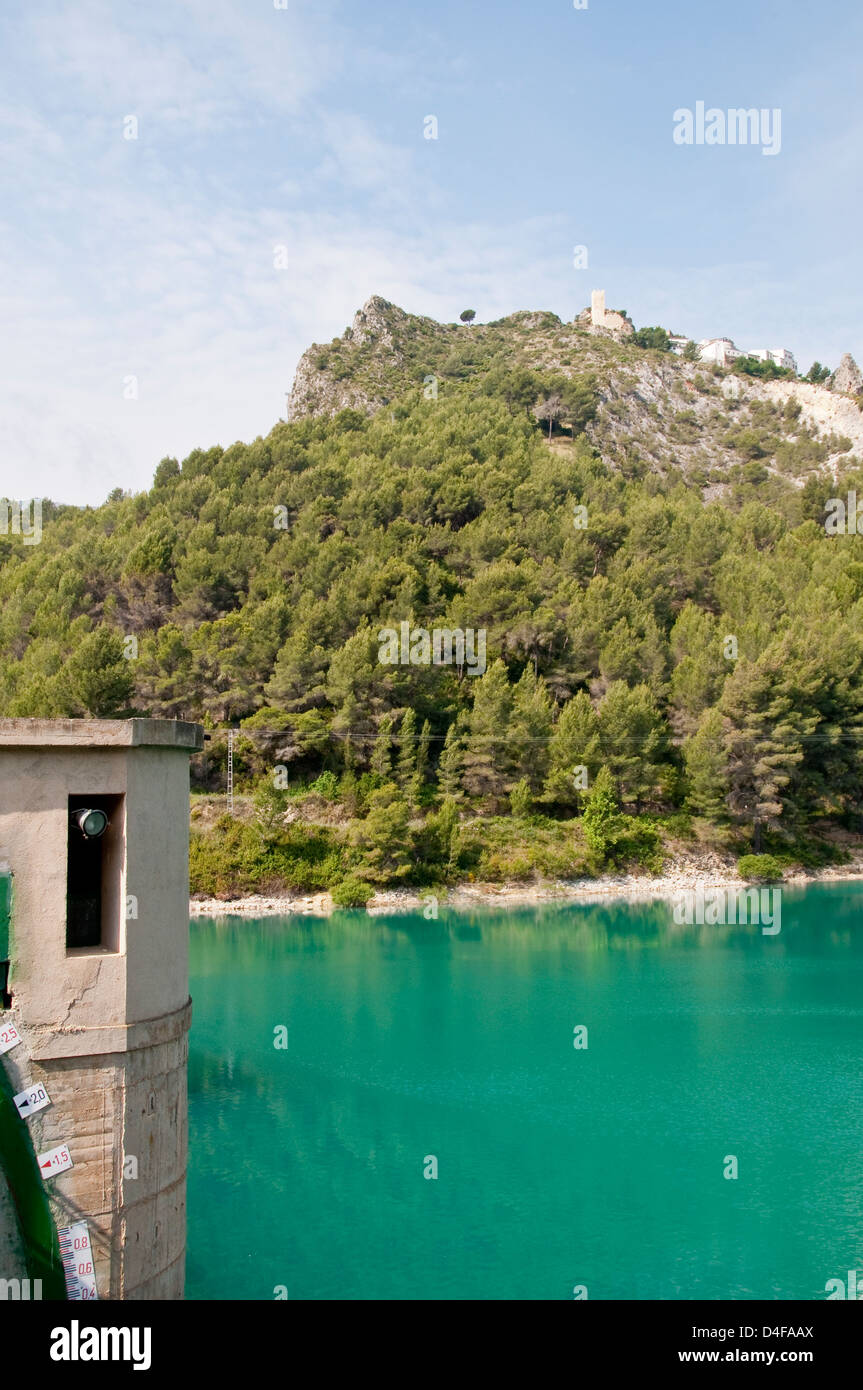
(720, 350)
(724, 352)
(781, 357)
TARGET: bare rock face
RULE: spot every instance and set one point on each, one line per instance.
(314, 392)
(375, 322)
(847, 377)
(326, 380)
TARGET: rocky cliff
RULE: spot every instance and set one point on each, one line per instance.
(655, 410)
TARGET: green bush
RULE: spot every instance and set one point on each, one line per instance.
(652, 338)
(326, 785)
(351, 892)
(520, 800)
(759, 867)
(602, 821)
(638, 843)
(500, 849)
(231, 860)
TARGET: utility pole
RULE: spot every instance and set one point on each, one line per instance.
(230, 772)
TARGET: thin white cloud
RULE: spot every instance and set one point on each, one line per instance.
(155, 258)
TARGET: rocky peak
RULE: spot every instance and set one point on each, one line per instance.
(375, 322)
(847, 377)
(653, 409)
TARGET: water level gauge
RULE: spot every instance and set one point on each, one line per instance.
(77, 1256)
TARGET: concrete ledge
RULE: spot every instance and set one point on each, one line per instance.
(102, 1042)
(101, 733)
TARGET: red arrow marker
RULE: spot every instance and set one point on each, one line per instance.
(55, 1161)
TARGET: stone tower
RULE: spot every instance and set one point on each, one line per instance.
(597, 308)
(94, 835)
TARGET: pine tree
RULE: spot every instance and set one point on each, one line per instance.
(297, 682)
(381, 760)
(602, 821)
(653, 658)
(406, 763)
(530, 728)
(699, 667)
(521, 800)
(441, 836)
(579, 402)
(575, 744)
(451, 765)
(763, 745)
(422, 762)
(385, 836)
(707, 768)
(271, 802)
(488, 762)
(633, 736)
(97, 676)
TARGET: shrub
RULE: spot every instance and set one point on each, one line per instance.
(638, 842)
(231, 860)
(759, 867)
(351, 892)
(270, 805)
(384, 838)
(501, 849)
(327, 786)
(520, 799)
(652, 338)
(602, 821)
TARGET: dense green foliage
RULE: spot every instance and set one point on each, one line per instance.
(657, 337)
(817, 373)
(754, 366)
(706, 654)
(759, 867)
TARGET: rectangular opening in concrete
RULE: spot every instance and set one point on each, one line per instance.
(94, 873)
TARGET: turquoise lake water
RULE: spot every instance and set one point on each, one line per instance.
(557, 1167)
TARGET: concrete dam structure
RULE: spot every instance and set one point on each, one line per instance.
(94, 1006)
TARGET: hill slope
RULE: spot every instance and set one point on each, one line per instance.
(652, 406)
(657, 589)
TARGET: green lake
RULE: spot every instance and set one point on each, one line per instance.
(557, 1166)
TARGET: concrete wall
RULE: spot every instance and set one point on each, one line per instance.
(12, 1262)
(105, 1029)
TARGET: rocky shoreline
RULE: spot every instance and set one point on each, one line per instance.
(679, 875)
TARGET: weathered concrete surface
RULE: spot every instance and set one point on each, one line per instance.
(101, 733)
(105, 1028)
(12, 1263)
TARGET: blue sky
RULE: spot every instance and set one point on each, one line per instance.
(302, 127)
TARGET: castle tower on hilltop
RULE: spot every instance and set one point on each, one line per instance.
(597, 308)
(598, 319)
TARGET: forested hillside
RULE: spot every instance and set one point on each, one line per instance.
(676, 614)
